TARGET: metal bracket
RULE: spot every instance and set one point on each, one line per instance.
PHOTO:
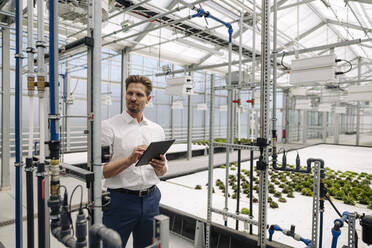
(53, 117)
(20, 164)
(40, 43)
(19, 56)
(30, 50)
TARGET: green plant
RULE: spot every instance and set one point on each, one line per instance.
(290, 195)
(269, 199)
(339, 195)
(245, 211)
(370, 205)
(255, 200)
(307, 192)
(198, 186)
(282, 199)
(349, 200)
(273, 204)
(278, 194)
(272, 191)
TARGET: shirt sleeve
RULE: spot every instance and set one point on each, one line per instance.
(107, 136)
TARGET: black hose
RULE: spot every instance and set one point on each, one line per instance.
(41, 205)
(30, 202)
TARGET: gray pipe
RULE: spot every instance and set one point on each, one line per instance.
(96, 110)
(99, 232)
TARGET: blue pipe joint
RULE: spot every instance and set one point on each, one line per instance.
(272, 230)
(200, 13)
(307, 242)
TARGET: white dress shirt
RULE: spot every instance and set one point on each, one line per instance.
(123, 133)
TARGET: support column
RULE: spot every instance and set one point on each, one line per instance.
(205, 102)
(264, 119)
(298, 124)
(286, 115)
(67, 120)
(336, 126)
(124, 75)
(304, 126)
(324, 126)
(189, 125)
(5, 103)
(358, 106)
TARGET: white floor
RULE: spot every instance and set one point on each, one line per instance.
(179, 193)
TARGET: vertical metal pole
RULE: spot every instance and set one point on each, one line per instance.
(95, 102)
(172, 112)
(358, 105)
(264, 108)
(18, 125)
(304, 126)
(324, 126)
(172, 117)
(229, 131)
(351, 231)
(189, 126)
(252, 129)
(299, 124)
(275, 52)
(316, 198)
(5, 120)
(67, 120)
(43, 216)
(205, 102)
(210, 164)
(124, 75)
(336, 126)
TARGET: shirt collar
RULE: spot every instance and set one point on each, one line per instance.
(128, 118)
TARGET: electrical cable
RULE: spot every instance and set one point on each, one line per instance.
(344, 72)
(281, 62)
(81, 204)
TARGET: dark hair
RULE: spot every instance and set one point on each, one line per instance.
(139, 79)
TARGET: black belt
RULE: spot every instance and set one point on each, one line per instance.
(139, 193)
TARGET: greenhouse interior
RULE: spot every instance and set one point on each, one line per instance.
(186, 123)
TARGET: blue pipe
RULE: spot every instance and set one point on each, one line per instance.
(336, 230)
(52, 79)
(335, 235)
(18, 128)
(202, 13)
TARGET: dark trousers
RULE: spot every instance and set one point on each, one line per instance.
(131, 213)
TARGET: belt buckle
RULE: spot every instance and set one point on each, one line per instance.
(142, 193)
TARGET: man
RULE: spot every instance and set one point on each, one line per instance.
(134, 195)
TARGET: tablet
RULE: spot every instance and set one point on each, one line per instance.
(154, 150)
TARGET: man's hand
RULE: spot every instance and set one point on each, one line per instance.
(137, 153)
(159, 165)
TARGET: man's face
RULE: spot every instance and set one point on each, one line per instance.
(136, 98)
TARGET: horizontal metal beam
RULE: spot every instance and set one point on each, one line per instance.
(7, 13)
(348, 25)
(306, 50)
(361, 1)
(295, 4)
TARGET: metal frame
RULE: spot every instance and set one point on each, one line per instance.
(5, 120)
